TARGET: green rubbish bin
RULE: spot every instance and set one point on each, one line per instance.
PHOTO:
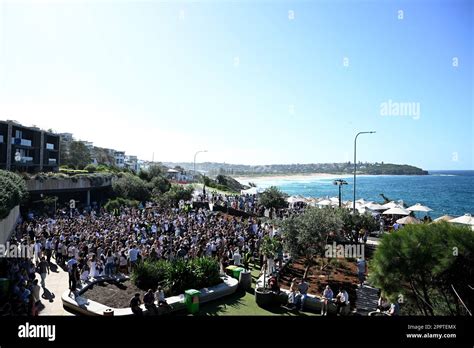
(191, 299)
(236, 272)
(230, 270)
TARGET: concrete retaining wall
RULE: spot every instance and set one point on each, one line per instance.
(51, 184)
(8, 224)
(88, 307)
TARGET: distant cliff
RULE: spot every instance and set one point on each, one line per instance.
(213, 168)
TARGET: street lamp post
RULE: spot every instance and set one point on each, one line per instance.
(194, 167)
(355, 167)
(340, 182)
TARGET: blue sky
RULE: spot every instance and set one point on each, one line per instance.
(253, 82)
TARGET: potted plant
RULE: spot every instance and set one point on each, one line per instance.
(263, 295)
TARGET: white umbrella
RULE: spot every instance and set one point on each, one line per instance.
(295, 199)
(444, 218)
(408, 220)
(324, 202)
(390, 205)
(466, 219)
(419, 207)
(361, 201)
(397, 210)
(375, 206)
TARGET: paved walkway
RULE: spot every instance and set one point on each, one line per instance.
(367, 299)
(56, 284)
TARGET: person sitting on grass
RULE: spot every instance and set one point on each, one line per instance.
(149, 301)
(135, 303)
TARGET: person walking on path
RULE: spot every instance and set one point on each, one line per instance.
(43, 268)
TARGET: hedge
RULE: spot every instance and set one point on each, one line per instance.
(12, 192)
(177, 276)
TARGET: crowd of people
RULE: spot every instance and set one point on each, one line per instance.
(95, 243)
(92, 244)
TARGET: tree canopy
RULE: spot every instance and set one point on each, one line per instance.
(272, 197)
(307, 234)
(427, 264)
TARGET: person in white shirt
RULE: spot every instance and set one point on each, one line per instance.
(236, 257)
(342, 300)
(37, 251)
(160, 297)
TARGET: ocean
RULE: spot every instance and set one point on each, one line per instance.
(446, 192)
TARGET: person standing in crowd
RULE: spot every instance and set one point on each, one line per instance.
(43, 268)
(327, 298)
(35, 291)
(48, 249)
(361, 270)
(236, 257)
(133, 256)
(342, 300)
(73, 278)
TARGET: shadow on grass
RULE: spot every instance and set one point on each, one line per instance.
(241, 302)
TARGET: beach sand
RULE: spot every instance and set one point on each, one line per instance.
(288, 177)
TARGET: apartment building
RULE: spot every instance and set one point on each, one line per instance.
(28, 149)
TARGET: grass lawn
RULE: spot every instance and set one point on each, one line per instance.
(243, 303)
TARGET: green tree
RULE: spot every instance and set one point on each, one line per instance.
(12, 191)
(159, 185)
(176, 193)
(79, 155)
(129, 186)
(272, 197)
(306, 235)
(430, 266)
(353, 223)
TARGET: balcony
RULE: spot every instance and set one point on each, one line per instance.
(22, 142)
(49, 146)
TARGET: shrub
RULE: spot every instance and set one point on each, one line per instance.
(12, 191)
(119, 202)
(177, 276)
(91, 168)
(131, 187)
(272, 197)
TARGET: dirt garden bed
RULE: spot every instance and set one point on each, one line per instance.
(113, 294)
(342, 273)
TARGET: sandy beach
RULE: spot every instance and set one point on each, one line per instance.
(288, 177)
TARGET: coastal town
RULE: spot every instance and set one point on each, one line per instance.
(120, 221)
(236, 172)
